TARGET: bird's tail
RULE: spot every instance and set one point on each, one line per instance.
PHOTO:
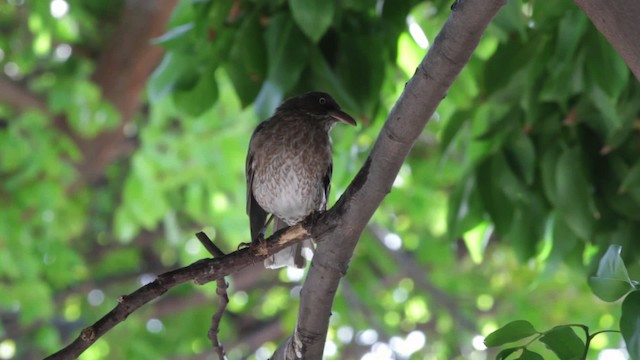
(294, 256)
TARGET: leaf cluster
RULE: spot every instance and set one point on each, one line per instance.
(548, 138)
(270, 50)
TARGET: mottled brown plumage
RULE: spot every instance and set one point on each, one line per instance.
(289, 167)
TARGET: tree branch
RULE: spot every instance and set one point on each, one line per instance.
(201, 272)
(221, 291)
(18, 97)
(451, 50)
(122, 70)
(618, 22)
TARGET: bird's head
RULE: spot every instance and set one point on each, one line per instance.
(318, 105)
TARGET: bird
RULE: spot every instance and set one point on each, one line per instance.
(288, 169)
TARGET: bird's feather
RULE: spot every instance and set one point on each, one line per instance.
(257, 215)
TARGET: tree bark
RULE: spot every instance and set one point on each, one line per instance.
(619, 22)
(450, 52)
(123, 69)
(121, 73)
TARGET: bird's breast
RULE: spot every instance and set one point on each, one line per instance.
(288, 174)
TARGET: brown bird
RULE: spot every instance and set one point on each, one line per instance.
(289, 168)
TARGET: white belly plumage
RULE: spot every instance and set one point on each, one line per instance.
(294, 198)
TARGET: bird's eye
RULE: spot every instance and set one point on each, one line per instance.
(322, 101)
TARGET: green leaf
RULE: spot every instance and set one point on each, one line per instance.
(214, 13)
(476, 241)
(530, 215)
(616, 137)
(510, 19)
(574, 200)
(479, 150)
(124, 225)
(570, 32)
(513, 331)
(361, 73)
(630, 323)
(200, 98)
(632, 179)
(312, 16)
(601, 56)
(167, 74)
(327, 79)
(452, 127)
(609, 289)
(624, 205)
(501, 126)
(287, 53)
(612, 279)
(607, 107)
(564, 342)
(503, 354)
(268, 99)
(464, 211)
(508, 68)
(247, 63)
(521, 155)
(612, 266)
(548, 167)
(34, 297)
(530, 355)
(494, 199)
(564, 241)
(174, 36)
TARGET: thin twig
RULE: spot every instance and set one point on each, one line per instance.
(221, 290)
(217, 317)
(209, 245)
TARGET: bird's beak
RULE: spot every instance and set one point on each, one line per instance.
(343, 117)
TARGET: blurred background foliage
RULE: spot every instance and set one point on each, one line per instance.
(523, 177)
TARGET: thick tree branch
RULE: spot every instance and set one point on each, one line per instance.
(123, 68)
(618, 22)
(451, 50)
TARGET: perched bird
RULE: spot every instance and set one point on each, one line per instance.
(289, 167)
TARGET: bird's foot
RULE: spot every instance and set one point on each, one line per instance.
(259, 243)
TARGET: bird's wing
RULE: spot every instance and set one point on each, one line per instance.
(257, 215)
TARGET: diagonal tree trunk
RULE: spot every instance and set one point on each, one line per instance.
(451, 51)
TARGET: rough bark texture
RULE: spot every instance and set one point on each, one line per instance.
(450, 52)
(619, 22)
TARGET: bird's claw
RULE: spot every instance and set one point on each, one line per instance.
(259, 243)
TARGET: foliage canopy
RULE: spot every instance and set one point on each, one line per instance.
(512, 195)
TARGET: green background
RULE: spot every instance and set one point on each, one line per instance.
(525, 175)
